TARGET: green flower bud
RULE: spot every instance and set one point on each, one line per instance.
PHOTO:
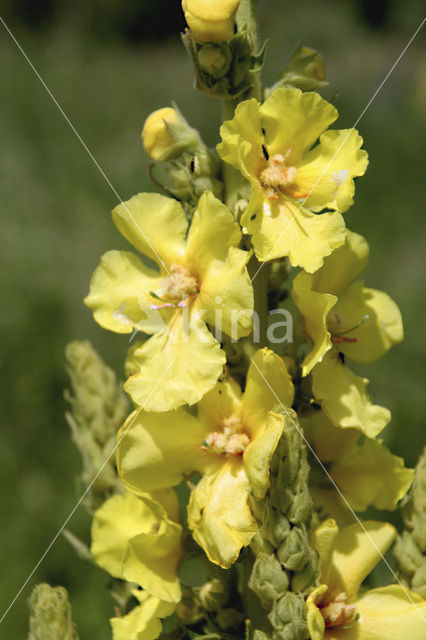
(418, 582)
(288, 618)
(214, 59)
(166, 134)
(408, 553)
(305, 70)
(99, 407)
(275, 527)
(50, 614)
(410, 548)
(292, 552)
(268, 578)
(213, 595)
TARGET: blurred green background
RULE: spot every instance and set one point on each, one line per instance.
(109, 64)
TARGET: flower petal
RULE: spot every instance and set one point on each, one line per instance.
(156, 450)
(387, 613)
(227, 296)
(211, 234)
(155, 225)
(152, 559)
(343, 266)
(143, 622)
(242, 139)
(219, 403)
(323, 539)
(330, 504)
(293, 121)
(282, 228)
(119, 294)
(315, 620)
(177, 365)
(258, 454)
(356, 552)
(328, 441)
(268, 384)
(377, 321)
(314, 308)
(327, 172)
(371, 475)
(343, 397)
(115, 522)
(219, 515)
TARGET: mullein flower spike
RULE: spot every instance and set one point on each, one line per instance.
(222, 515)
(50, 614)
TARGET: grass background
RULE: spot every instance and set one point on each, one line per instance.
(55, 224)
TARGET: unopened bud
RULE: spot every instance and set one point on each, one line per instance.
(292, 552)
(288, 618)
(214, 59)
(210, 21)
(268, 579)
(166, 134)
(214, 595)
(305, 70)
(50, 614)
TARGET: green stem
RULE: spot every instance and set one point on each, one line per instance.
(235, 183)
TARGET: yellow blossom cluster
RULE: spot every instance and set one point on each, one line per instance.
(209, 420)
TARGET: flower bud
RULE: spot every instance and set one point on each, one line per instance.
(166, 134)
(214, 59)
(210, 20)
(98, 408)
(268, 580)
(214, 595)
(50, 614)
(305, 70)
(288, 618)
(293, 551)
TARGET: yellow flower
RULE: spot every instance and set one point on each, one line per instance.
(134, 539)
(166, 134)
(292, 180)
(362, 323)
(210, 20)
(200, 278)
(230, 443)
(345, 319)
(143, 622)
(363, 468)
(339, 610)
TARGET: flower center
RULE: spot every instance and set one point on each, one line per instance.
(277, 176)
(231, 441)
(179, 286)
(337, 613)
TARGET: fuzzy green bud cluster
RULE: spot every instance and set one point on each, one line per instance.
(98, 408)
(286, 566)
(50, 614)
(410, 548)
(185, 167)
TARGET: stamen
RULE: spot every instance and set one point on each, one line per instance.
(177, 290)
(231, 441)
(277, 176)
